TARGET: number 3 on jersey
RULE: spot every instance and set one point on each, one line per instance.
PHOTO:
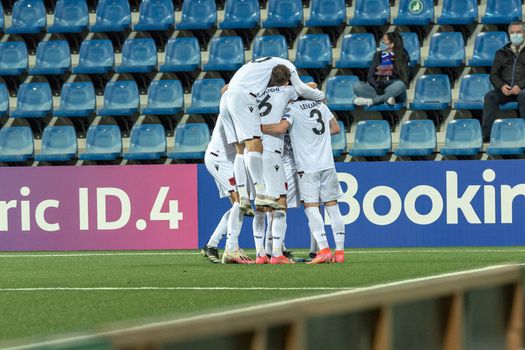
(315, 113)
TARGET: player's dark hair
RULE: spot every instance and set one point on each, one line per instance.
(280, 75)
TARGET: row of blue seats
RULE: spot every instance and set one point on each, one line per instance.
(71, 16)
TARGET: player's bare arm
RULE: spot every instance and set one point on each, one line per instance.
(276, 129)
(334, 126)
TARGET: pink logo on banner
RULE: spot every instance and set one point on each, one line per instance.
(98, 207)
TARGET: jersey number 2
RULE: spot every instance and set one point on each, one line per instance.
(315, 113)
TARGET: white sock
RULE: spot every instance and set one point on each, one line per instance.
(258, 232)
(234, 227)
(268, 242)
(316, 224)
(338, 226)
(239, 171)
(278, 231)
(255, 168)
(313, 244)
(220, 231)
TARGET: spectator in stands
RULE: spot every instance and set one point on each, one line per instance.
(507, 75)
(387, 76)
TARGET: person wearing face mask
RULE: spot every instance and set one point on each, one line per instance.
(507, 76)
(388, 75)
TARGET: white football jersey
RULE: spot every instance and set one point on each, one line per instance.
(310, 134)
(288, 157)
(219, 144)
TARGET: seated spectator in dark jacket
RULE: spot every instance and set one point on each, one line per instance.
(507, 75)
(387, 76)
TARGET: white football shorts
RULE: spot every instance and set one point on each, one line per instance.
(293, 197)
(241, 116)
(274, 174)
(222, 171)
(320, 187)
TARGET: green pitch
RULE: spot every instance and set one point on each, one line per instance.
(49, 293)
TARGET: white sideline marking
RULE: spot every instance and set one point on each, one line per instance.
(40, 289)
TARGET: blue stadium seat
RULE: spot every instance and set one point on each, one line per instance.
(485, 47)
(314, 51)
(1, 18)
(198, 14)
(4, 100)
(181, 55)
(52, 57)
(415, 13)
(29, 17)
(507, 136)
(463, 138)
(13, 57)
(59, 144)
(339, 140)
(103, 142)
(241, 14)
(307, 79)
(16, 144)
(472, 91)
(226, 53)
(447, 49)
(139, 55)
(165, 97)
(77, 99)
(205, 96)
(71, 16)
(112, 16)
(327, 13)
(433, 92)
(191, 140)
(357, 51)
(340, 93)
(96, 57)
(509, 106)
(284, 14)
(502, 12)
(459, 12)
(155, 15)
(417, 138)
(121, 98)
(412, 45)
(34, 100)
(147, 142)
(270, 45)
(372, 139)
(371, 13)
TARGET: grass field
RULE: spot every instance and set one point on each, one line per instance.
(49, 293)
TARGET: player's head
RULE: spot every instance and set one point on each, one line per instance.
(280, 75)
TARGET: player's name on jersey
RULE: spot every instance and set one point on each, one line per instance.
(309, 104)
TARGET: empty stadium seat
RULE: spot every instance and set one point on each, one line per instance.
(112, 16)
(4, 100)
(198, 14)
(459, 12)
(165, 97)
(284, 14)
(412, 46)
(155, 15)
(34, 100)
(16, 144)
(139, 55)
(181, 55)
(327, 13)
(357, 51)
(415, 13)
(147, 142)
(103, 142)
(472, 91)
(71, 16)
(29, 16)
(307, 79)
(226, 53)
(433, 92)
(314, 51)
(59, 144)
(447, 49)
(121, 98)
(205, 96)
(339, 140)
(463, 138)
(13, 57)
(372, 139)
(371, 13)
(1, 18)
(77, 99)
(52, 57)
(485, 47)
(340, 93)
(191, 140)
(502, 12)
(241, 14)
(417, 138)
(507, 136)
(96, 57)
(270, 45)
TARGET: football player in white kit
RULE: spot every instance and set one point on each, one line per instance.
(311, 123)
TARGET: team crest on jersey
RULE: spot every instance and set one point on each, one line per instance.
(251, 109)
